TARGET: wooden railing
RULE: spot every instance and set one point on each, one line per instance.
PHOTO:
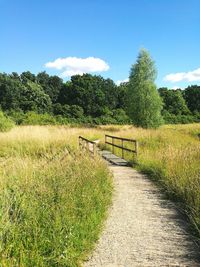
(122, 146)
(87, 145)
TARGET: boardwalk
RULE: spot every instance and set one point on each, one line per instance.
(142, 229)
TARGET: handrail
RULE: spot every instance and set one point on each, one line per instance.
(87, 140)
(84, 145)
(133, 150)
(121, 138)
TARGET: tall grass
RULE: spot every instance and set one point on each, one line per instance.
(171, 156)
(53, 199)
(52, 202)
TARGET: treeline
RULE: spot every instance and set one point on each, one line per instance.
(45, 99)
(33, 99)
(181, 106)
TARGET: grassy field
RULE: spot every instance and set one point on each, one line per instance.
(52, 203)
(53, 199)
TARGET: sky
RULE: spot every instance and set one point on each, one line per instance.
(103, 37)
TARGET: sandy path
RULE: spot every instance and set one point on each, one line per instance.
(142, 229)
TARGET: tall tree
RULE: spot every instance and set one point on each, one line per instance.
(144, 103)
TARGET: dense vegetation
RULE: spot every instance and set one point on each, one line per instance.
(44, 99)
(52, 202)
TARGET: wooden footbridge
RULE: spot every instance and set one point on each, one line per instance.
(113, 146)
(143, 228)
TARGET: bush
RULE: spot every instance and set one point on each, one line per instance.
(32, 118)
(179, 119)
(6, 123)
(16, 115)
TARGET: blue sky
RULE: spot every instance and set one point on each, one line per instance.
(109, 33)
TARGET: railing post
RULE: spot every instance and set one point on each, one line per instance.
(122, 141)
(80, 142)
(112, 145)
(94, 149)
(136, 148)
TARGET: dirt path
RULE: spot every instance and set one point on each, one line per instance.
(142, 229)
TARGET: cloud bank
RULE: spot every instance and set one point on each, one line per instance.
(190, 76)
(121, 81)
(73, 65)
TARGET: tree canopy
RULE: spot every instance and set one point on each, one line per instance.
(87, 98)
(144, 103)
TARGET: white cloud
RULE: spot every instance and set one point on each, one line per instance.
(189, 76)
(176, 87)
(121, 81)
(73, 65)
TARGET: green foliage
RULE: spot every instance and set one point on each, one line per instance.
(174, 102)
(144, 103)
(89, 99)
(17, 115)
(117, 116)
(170, 118)
(25, 95)
(192, 97)
(6, 123)
(92, 93)
(51, 85)
(33, 98)
(32, 118)
(10, 92)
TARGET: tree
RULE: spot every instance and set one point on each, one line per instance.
(122, 90)
(192, 97)
(144, 103)
(92, 93)
(27, 76)
(174, 102)
(33, 98)
(10, 92)
(51, 85)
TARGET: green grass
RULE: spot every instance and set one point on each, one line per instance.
(170, 155)
(52, 208)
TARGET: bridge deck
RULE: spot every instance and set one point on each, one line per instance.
(107, 155)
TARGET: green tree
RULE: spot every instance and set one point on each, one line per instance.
(173, 101)
(122, 90)
(144, 103)
(51, 85)
(192, 97)
(10, 92)
(33, 98)
(27, 76)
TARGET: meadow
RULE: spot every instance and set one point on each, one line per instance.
(54, 199)
(52, 202)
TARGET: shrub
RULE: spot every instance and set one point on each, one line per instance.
(32, 118)
(179, 119)
(6, 123)
(16, 115)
